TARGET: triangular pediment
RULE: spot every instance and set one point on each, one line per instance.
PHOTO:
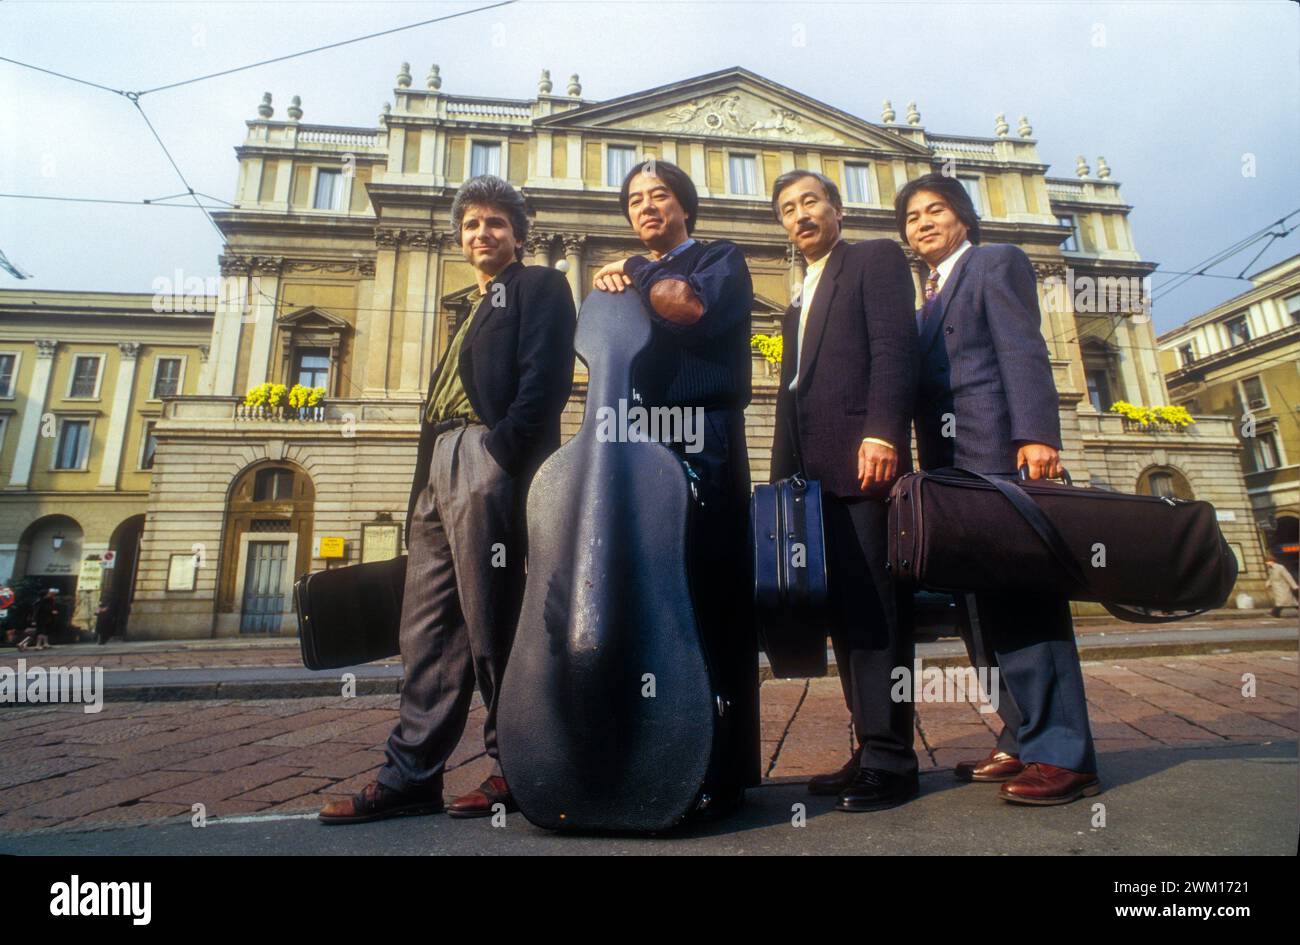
(734, 104)
(312, 317)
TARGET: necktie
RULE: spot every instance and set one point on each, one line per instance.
(931, 298)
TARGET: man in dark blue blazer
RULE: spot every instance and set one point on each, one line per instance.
(843, 413)
(986, 402)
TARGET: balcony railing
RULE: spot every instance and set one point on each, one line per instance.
(1111, 426)
(210, 410)
(280, 412)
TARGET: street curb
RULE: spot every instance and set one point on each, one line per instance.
(385, 686)
(1103, 652)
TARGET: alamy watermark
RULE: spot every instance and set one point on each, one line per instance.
(935, 684)
(41, 684)
(640, 424)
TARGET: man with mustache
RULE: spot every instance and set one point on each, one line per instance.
(844, 408)
(987, 402)
(700, 298)
(491, 416)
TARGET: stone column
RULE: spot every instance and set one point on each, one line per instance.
(573, 244)
(265, 299)
(123, 393)
(422, 246)
(538, 248)
(21, 475)
(227, 324)
(381, 316)
(1127, 366)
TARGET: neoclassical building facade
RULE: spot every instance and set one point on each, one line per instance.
(339, 270)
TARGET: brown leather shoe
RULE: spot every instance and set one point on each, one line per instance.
(479, 803)
(1047, 784)
(835, 782)
(997, 766)
(376, 801)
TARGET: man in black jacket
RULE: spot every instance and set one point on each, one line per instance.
(844, 408)
(491, 416)
(700, 298)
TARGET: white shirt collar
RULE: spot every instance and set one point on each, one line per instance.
(945, 268)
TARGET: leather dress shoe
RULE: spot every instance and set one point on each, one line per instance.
(479, 802)
(1047, 784)
(998, 766)
(376, 801)
(874, 789)
(835, 782)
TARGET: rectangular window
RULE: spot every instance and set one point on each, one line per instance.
(857, 183)
(1293, 306)
(150, 446)
(313, 368)
(972, 185)
(167, 379)
(7, 362)
(1238, 331)
(1253, 388)
(1266, 454)
(1162, 485)
(618, 161)
(485, 158)
(85, 372)
(1071, 244)
(744, 174)
(1187, 354)
(273, 485)
(73, 444)
(1099, 390)
(329, 191)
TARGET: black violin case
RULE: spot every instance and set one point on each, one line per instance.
(351, 615)
(1146, 559)
(607, 714)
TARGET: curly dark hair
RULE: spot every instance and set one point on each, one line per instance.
(489, 191)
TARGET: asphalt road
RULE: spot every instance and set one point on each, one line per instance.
(1239, 799)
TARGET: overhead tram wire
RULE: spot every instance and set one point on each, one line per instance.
(1185, 276)
(346, 42)
(134, 96)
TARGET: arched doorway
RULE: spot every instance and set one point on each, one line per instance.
(119, 580)
(1286, 542)
(49, 555)
(267, 544)
(1164, 481)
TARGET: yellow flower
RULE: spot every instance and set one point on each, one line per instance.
(770, 347)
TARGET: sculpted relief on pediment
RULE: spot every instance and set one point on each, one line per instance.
(735, 115)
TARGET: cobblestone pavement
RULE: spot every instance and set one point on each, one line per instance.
(138, 762)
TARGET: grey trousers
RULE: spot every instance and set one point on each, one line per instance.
(461, 600)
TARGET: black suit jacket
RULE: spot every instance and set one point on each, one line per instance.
(986, 378)
(858, 374)
(516, 363)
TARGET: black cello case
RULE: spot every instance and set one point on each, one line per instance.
(607, 713)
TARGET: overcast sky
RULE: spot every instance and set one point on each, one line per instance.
(1178, 97)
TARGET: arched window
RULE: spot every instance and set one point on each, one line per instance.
(1164, 481)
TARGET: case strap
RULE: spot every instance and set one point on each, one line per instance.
(1051, 537)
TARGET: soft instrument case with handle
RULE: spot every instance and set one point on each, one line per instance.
(351, 615)
(1147, 559)
(607, 718)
